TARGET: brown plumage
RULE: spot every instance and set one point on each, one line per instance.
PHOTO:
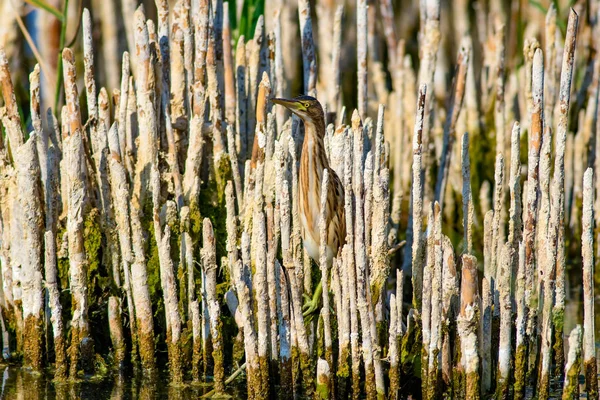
(313, 162)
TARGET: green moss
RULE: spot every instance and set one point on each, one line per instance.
(591, 378)
(92, 236)
(473, 386)
(322, 391)
(520, 371)
(571, 388)
(558, 318)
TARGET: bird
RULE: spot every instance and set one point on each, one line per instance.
(313, 163)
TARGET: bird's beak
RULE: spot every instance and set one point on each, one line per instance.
(293, 105)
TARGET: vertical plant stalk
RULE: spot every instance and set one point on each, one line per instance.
(468, 209)
(454, 108)
(145, 96)
(116, 330)
(557, 218)
(529, 231)
(11, 119)
(468, 322)
(393, 355)
(435, 342)
(31, 215)
(120, 200)
(573, 365)
(51, 282)
(260, 285)
(209, 263)
(241, 274)
(361, 56)
(361, 259)
(515, 227)
(430, 11)
(418, 247)
(587, 253)
(487, 303)
(81, 349)
(348, 255)
(309, 61)
(506, 316)
(324, 265)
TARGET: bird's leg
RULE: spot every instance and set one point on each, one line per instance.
(312, 305)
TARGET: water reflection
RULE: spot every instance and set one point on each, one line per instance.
(18, 384)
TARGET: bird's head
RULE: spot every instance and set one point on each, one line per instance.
(307, 108)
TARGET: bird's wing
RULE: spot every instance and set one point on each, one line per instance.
(336, 220)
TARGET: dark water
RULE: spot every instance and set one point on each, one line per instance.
(18, 383)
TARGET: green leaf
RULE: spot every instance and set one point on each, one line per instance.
(47, 7)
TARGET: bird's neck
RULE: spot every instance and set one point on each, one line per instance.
(313, 148)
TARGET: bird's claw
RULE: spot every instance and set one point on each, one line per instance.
(310, 306)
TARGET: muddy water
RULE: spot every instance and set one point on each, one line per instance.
(20, 384)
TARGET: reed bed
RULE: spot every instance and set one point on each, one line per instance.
(149, 213)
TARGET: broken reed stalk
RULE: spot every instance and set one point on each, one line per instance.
(324, 265)
(454, 108)
(361, 257)
(81, 348)
(557, 219)
(573, 365)
(348, 253)
(587, 250)
(361, 56)
(417, 203)
(209, 263)
(468, 321)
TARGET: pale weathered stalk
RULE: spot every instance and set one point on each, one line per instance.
(81, 349)
(361, 56)
(453, 112)
(426, 305)
(557, 227)
(241, 99)
(487, 302)
(116, 330)
(393, 355)
(147, 121)
(435, 342)
(418, 247)
(309, 61)
(497, 220)
(168, 284)
(506, 317)
(380, 259)
(197, 340)
(324, 265)
(241, 276)
(209, 264)
(51, 283)
(521, 328)
(587, 252)
(468, 322)
(573, 366)
(467, 195)
(30, 247)
(428, 55)
(361, 259)
(515, 212)
(348, 255)
(260, 285)
(230, 98)
(450, 296)
(529, 231)
(11, 118)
